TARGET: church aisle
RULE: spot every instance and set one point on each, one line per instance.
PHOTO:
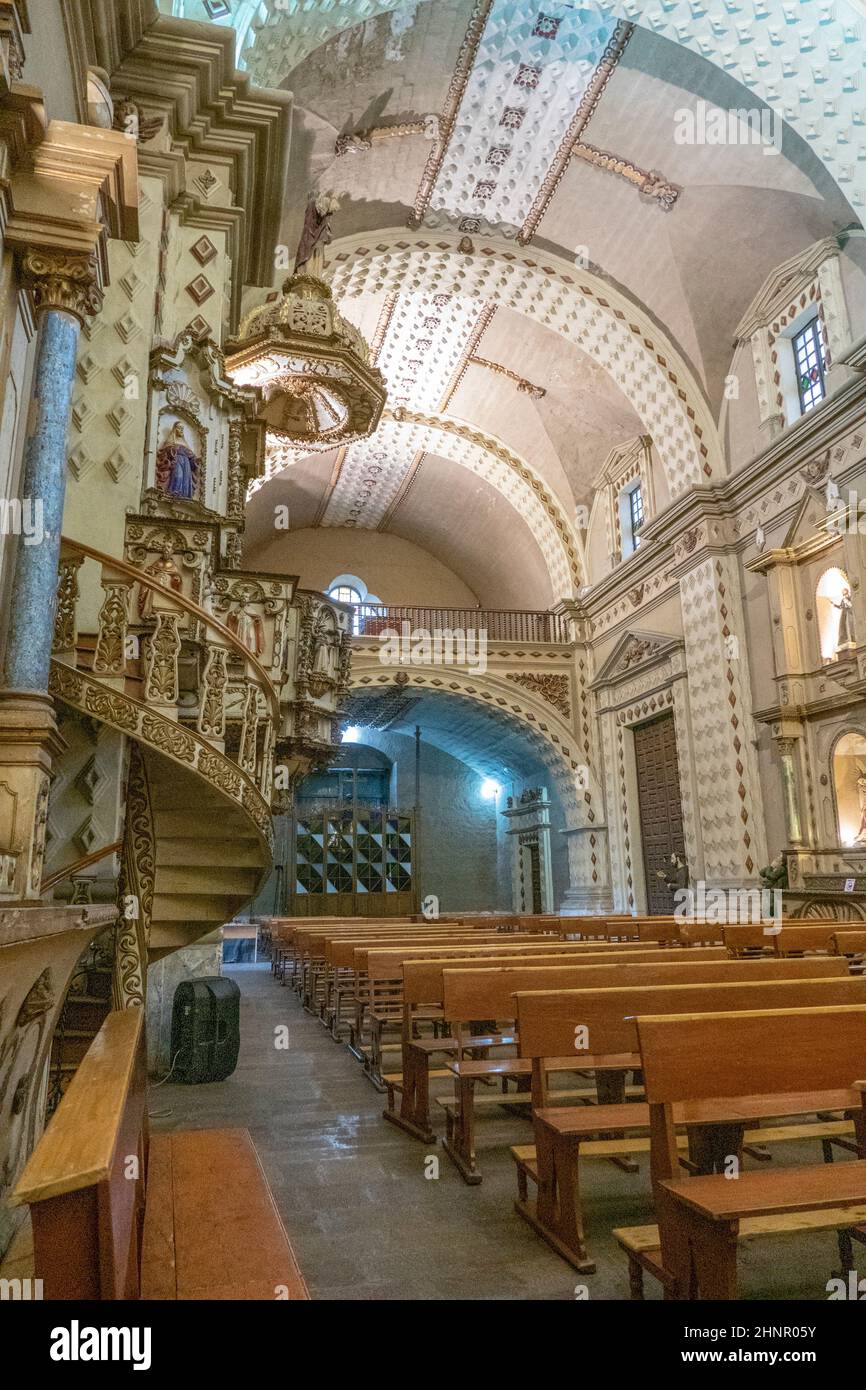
(363, 1220)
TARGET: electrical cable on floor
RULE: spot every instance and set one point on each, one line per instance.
(161, 1114)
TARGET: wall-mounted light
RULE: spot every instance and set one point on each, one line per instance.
(489, 789)
(352, 734)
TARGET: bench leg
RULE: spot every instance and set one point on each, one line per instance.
(460, 1143)
(414, 1114)
(635, 1278)
(700, 1255)
(557, 1215)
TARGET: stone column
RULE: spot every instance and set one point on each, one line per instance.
(63, 287)
(64, 292)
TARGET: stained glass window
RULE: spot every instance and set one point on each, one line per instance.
(809, 361)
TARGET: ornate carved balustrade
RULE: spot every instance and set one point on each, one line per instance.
(227, 672)
(164, 670)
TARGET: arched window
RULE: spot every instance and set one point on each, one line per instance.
(849, 780)
(348, 588)
(344, 593)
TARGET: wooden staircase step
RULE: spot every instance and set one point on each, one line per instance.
(187, 851)
(193, 908)
(230, 826)
(193, 881)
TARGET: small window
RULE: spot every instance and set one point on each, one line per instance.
(809, 363)
(343, 594)
(635, 507)
(631, 517)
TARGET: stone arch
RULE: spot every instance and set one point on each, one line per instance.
(599, 319)
(551, 738)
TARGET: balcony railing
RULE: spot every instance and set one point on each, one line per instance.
(499, 624)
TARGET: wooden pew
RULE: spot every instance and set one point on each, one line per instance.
(702, 1063)
(547, 1024)
(851, 944)
(423, 986)
(377, 991)
(490, 993)
(748, 938)
(105, 1229)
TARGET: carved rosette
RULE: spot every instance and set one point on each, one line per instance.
(552, 688)
(62, 281)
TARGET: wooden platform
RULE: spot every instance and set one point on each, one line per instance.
(212, 1230)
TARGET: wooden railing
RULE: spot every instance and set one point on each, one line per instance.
(85, 1181)
(499, 624)
(85, 862)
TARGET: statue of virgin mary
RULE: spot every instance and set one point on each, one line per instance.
(177, 467)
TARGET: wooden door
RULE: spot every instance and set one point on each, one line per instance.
(661, 811)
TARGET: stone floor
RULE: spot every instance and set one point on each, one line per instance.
(364, 1220)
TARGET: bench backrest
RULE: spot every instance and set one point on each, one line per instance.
(817, 936)
(560, 1024)
(489, 992)
(848, 943)
(767, 1051)
(758, 936)
(424, 979)
(388, 962)
(354, 951)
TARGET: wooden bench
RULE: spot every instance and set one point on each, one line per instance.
(378, 989)
(121, 1214)
(489, 993)
(707, 1060)
(423, 987)
(789, 936)
(547, 1024)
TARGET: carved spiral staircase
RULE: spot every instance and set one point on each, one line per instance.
(201, 713)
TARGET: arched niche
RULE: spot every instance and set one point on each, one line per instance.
(849, 783)
(835, 612)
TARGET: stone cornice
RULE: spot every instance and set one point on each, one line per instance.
(804, 441)
(186, 72)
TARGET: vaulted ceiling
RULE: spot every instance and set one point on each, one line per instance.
(543, 268)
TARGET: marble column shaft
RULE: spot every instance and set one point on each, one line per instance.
(34, 589)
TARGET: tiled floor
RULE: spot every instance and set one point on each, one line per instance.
(364, 1220)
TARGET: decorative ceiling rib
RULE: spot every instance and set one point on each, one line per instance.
(525, 86)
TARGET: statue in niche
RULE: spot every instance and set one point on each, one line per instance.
(775, 874)
(248, 628)
(846, 619)
(316, 235)
(861, 789)
(178, 468)
(167, 575)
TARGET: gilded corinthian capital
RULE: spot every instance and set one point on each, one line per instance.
(62, 280)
